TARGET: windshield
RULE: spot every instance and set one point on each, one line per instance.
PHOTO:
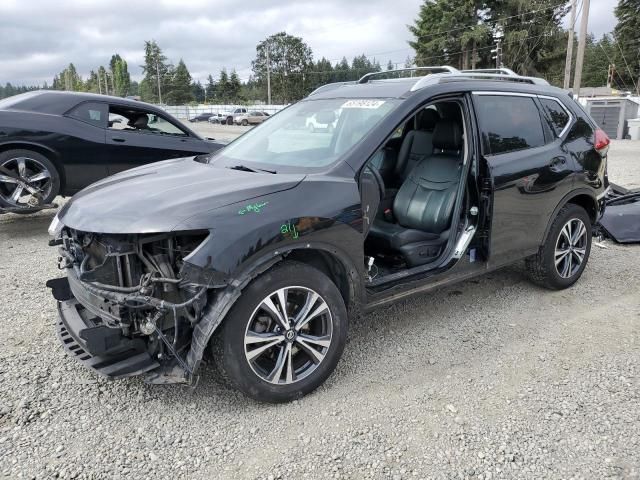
(307, 135)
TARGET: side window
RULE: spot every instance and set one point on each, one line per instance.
(557, 116)
(140, 121)
(158, 124)
(509, 123)
(94, 113)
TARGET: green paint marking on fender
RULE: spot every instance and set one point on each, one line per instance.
(253, 207)
(289, 229)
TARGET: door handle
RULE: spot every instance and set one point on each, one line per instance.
(118, 139)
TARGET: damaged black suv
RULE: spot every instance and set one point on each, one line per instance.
(262, 251)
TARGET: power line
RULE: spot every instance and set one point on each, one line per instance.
(626, 64)
(487, 22)
(496, 20)
(611, 63)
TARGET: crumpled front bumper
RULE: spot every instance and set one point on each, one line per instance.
(85, 337)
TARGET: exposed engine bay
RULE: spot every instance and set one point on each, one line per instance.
(134, 299)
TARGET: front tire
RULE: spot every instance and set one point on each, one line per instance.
(563, 257)
(276, 358)
(244, 123)
(34, 181)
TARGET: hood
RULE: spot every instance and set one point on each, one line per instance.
(159, 196)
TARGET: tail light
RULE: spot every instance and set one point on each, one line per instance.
(601, 142)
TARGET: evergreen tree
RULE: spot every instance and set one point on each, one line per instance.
(390, 65)
(222, 91)
(534, 42)
(320, 73)
(198, 91)
(120, 76)
(155, 70)
(627, 38)
(450, 32)
(461, 33)
(342, 71)
(104, 84)
(234, 86)
(210, 89)
(69, 80)
(596, 62)
(9, 90)
(91, 85)
(179, 91)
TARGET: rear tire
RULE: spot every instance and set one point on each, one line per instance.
(229, 120)
(303, 353)
(37, 171)
(244, 123)
(564, 255)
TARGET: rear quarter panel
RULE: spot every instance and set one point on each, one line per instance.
(76, 148)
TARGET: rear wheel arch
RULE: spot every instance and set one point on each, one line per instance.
(583, 198)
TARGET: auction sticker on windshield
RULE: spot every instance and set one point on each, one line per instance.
(363, 103)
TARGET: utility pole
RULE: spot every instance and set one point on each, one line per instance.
(581, 44)
(610, 72)
(268, 77)
(569, 59)
(498, 52)
(99, 83)
(158, 75)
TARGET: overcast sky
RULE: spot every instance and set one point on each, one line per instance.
(38, 38)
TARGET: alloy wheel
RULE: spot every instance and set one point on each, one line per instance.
(288, 335)
(24, 182)
(571, 248)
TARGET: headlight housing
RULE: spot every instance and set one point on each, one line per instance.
(56, 227)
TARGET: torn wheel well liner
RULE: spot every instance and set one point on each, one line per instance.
(325, 258)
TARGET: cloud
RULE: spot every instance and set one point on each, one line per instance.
(40, 37)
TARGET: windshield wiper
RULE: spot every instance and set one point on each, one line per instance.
(244, 168)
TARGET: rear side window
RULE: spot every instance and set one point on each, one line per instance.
(556, 115)
(91, 112)
(509, 123)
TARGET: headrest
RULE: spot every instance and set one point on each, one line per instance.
(141, 122)
(427, 119)
(447, 135)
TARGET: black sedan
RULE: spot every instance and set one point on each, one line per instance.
(202, 117)
(56, 143)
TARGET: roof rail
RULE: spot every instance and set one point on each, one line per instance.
(330, 86)
(499, 71)
(435, 69)
(440, 78)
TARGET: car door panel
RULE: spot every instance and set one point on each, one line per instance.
(129, 147)
(81, 145)
(528, 179)
(527, 186)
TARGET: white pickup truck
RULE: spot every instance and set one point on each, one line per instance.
(228, 117)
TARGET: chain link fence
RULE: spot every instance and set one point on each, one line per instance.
(184, 112)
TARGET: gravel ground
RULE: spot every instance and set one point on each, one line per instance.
(491, 378)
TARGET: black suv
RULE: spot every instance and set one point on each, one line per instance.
(261, 251)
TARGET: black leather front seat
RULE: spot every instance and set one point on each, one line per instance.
(417, 144)
(423, 207)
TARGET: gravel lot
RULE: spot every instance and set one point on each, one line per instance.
(492, 378)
